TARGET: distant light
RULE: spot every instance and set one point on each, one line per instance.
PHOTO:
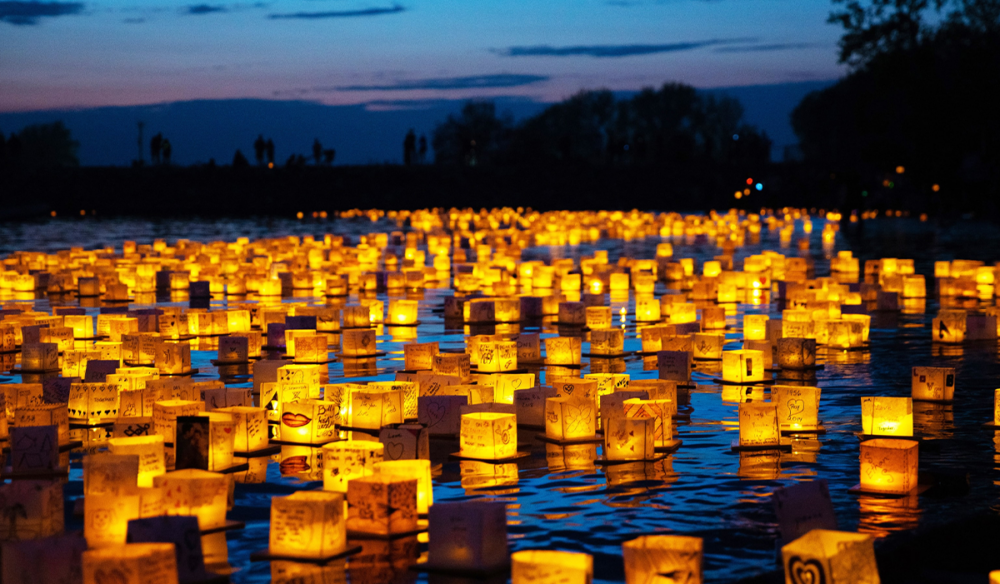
(864, 193)
(746, 192)
(749, 181)
(936, 188)
(270, 165)
(738, 195)
(900, 170)
(891, 184)
(626, 147)
(299, 215)
(83, 212)
(736, 136)
(760, 186)
(53, 213)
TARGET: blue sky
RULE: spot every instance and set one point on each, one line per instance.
(90, 53)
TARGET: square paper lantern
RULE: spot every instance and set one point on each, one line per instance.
(607, 342)
(529, 405)
(411, 469)
(759, 424)
(250, 427)
(488, 436)
(572, 313)
(165, 415)
(830, 557)
(563, 350)
(551, 567)
(149, 449)
(402, 312)
(110, 473)
(498, 356)
(347, 460)
(707, 345)
(755, 327)
(887, 416)
(204, 442)
(358, 342)
(195, 492)
(173, 358)
(598, 317)
(796, 353)
(889, 466)
(742, 366)
(713, 318)
(44, 415)
(307, 421)
(133, 563)
(372, 410)
(629, 438)
(569, 418)
(454, 364)
(94, 402)
(308, 524)
(32, 510)
(419, 356)
(798, 407)
(647, 309)
(441, 414)
(649, 556)
(661, 411)
(996, 407)
(933, 383)
(675, 365)
(468, 535)
(381, 505)
(106, 515)
(40, 357)
(766, 349)
(844, 334)
(406, 442)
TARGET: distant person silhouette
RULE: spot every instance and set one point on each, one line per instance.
(270, 151)
(155, 147)
(166, 151)
(409, 148)
(422, 152)
(259, 146)
(317, 151)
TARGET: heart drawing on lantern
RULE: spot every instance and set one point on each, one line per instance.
(435, 413)
(806, 571)
(795, 406)
(394, 450)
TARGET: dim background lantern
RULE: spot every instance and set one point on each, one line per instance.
(798, 407)
(551, 567)
(649, 556)
(629, 438)
(933, 383)
(468, 536)
(308, 524)
(742, 366)
(358, 342)
(713, 318)
(165, 415)
(133, 563)
(796, 353)
(887, 416)
(411, 469)
(607, 342)
(488, 436)
(381, 505)
(347, 460)
(570, 418)
(831, 557)
(889, 466)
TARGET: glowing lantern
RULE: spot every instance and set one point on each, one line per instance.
(150, 451)
(683, 312)
(308, 524)
(629, 438)
(650, 556)
(830, 557)
(713, 318)
(742, 366)
(798, 407)
(381, 505)
(660, 410)
(195, 492)
(419, 356)
(374, 409)
(453, 364)
(933, 383)
(889, 466)
(133, 563)
(234, 349)
(914, 287)
(949, 326)
(409, 469)
(766, 349)
(607, 342)
(468, 535)
(647, 309)
(498, 356)
(563, 350)
(165, 415)
(844, 334)
(707, 345)
(403, 312)
(106, 515)
(94, 402)
(173, 358)
(551, 567)
(796, 353)
(488, 436)
(996, 407)
(570, 418)
(887, 416)
(598, 317)
(40, 357)
(348, 460)
(758, 424)
(358, 343)
(204, 442)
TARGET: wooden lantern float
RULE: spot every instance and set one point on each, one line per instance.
(629, 439)
(755, 327)
(759, 425)
(933, 383)
(347, 460)
(411, 469)
(647, 309)
(551, 567)
(649, 556)
(498, 356)
(570, 418)
(598, 317)
(195, 492)
(798, 407)
(889, 466)
(308, 524)
(468, 536)
(661, 411)
(830, 557)
(358, 343)
(488, 436)
(132, 563)
(403, 312)
(149, 450)
(887, 416)
(382, 505)
(742, 366)
(563, 350)
(796, 353)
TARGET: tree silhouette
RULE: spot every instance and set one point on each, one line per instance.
(476, 137)
(317, 151)
(43, 146)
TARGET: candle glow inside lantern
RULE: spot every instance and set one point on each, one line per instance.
(563, 350)
(234, 349)
(40, 356)
(307, 421)
(381, 505)
(844, 334)
(551, 567)
(629, 438)
(468, 535)
(647, 309)
(742, 366)
(488, 436)
(403, 312)
(887, 416)
(569, 418)
(347, 460)
(419, 356)
(149, 449)
(649, 556)
(132, 563)
(798, 407)
(195, 492)
(796, 353)
(308, 524)
(889, 466)
(661, 411)
(830, 557)
(173, 358)
(358, 342)
(411, 469)
(755, 327)
(758, 424)
(933, 383)
(453, 364)
(106, 515)
(607, 342)
(598, 317)
(94, 402)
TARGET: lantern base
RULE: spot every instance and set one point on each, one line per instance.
(320, 362)
(991, 426)
(421, 527)
(720, 381)
(354, 328)
(20, 369)
(369, 431)
(54, 473)
(608, 462)
(404, 324)
(934, 401)
(238, 467)
(780, 369)
(866, 437)
(670, 446)
(570, 365)
(227, 525)
(276, 441)
(339, 295)
(478, 371)
(595, 439)
(518, 456)
(368, 356)
(785, 445)
(83, 424)
(219, 363)
(917, 490)
(114, 300)
(818, 429)
(188, 373)
(267, 556)
(91, 338)
(478, 574)
(266, 451)
(611, 356)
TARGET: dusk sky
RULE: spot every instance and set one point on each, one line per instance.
(129, 52)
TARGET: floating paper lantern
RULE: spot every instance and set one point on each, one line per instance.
(798, 407)
(551, 567)
(488, 436)
(887, 416)
(607, 342)
(149, 449)
(996, 407)
(889, 466)
(648, 557)
(563, 350)
(468, 535)
(32, 510)
(830, 557)
(373, 409)
(675, 365)
(411, 469)
(106, 515)
(742, 366)
(308, 524)
(572, 313)
(204, 442)
(419, 356)
(358, 342)
(933, 383)
(347, 460)
(381, 505)
(234, 349)
(707, 345)
(94, 402)
(755, 327)
(758, 424)
(713, 318)
(109, 473)
(660, 410)
(796, 353)
(570, 418)
(598, 317)
(629, 438)
(133, 563)
(195, 492)
(173, 357)
(40, 357)
(498, 356)
(165, 415)
(647, 309)
(403, 312)
(844, 334)
(453, 364)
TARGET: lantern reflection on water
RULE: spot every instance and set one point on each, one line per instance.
(551, 567)
(648, 557)
(468, 535)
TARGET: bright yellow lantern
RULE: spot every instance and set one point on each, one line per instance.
(133, 563)
(649, 556)
(488, 436)
(887, 416)
(411, 469)
(830, 557)
(308, 524)
(742, 366)
(570, 418)
(551, 567)
(889, 466)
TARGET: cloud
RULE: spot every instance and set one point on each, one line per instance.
(610, 51)
(446, 83)
(28, 13)
(765, 48)
(198, 9)
(134, 20)
(395, 9)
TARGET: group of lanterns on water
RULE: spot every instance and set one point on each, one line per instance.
(176, 443)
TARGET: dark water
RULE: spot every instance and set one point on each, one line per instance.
(703, 489)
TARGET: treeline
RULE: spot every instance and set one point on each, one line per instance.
(39, 146)
(674, 126)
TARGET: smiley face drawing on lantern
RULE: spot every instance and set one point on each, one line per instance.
(830, 557)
